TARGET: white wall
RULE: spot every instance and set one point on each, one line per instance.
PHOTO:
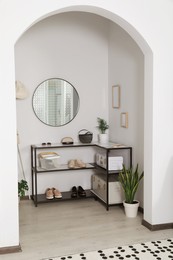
(126, 69)
(150, 24)
(72, 46)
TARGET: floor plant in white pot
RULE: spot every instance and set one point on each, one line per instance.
(102, 126)
(130, 180)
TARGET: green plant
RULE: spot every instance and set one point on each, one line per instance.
(22, 187)
(130, 180)
(102, 125)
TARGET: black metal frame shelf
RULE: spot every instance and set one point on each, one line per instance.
(108, 172)
(35, 170)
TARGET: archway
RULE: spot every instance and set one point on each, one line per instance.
(107, 14)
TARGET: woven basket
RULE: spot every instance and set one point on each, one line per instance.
(85, 136)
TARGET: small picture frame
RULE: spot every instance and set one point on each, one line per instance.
(116, 96)
(124, 120)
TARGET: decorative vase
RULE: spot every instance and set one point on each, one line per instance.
(131, 210)
(103, 138)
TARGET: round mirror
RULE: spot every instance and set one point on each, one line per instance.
(55, 102)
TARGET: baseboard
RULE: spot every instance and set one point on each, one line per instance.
(140, 209)
(157, 227)
(10, 249)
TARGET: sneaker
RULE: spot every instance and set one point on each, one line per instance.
(79, 164)
(57, 194)
(75, 164)
(71, 164)
(74, 192)
(49, 194)
(81, 192)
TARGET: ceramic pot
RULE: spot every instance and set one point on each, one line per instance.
(131, 210)
(103, 138)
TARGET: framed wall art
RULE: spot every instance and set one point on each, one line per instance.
(124, 120)
(116, 96)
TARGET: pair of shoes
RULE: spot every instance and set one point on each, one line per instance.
(74, 164)
(80, 192)
(53, 193)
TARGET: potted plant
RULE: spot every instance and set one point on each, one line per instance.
(102, 126)
(130, 180)
(22, 188)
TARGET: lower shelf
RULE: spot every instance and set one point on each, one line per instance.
(103, 201)
(41, 198)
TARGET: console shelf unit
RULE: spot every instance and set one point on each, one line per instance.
(35, 170)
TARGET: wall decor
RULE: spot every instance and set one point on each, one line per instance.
(116, 96)
(124, 120)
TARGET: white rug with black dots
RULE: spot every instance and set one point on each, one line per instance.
(155, 250)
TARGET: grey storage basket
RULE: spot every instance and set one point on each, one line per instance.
(85, 136)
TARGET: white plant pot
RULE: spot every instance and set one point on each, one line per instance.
(103, 138)
(131, 210)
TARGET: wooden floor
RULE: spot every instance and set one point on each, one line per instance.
(55, 229)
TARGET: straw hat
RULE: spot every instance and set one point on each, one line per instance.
(21, 92)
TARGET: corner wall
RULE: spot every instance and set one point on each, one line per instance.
(126, 69)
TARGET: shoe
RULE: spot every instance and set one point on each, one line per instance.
(49, 194)
(74, 192)
(57, 194)
(71, 164)
(81, 192)
(80, 164)
(75, 164)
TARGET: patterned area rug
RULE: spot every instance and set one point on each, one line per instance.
(155, 250)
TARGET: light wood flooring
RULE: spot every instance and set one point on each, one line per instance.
(55, 229)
